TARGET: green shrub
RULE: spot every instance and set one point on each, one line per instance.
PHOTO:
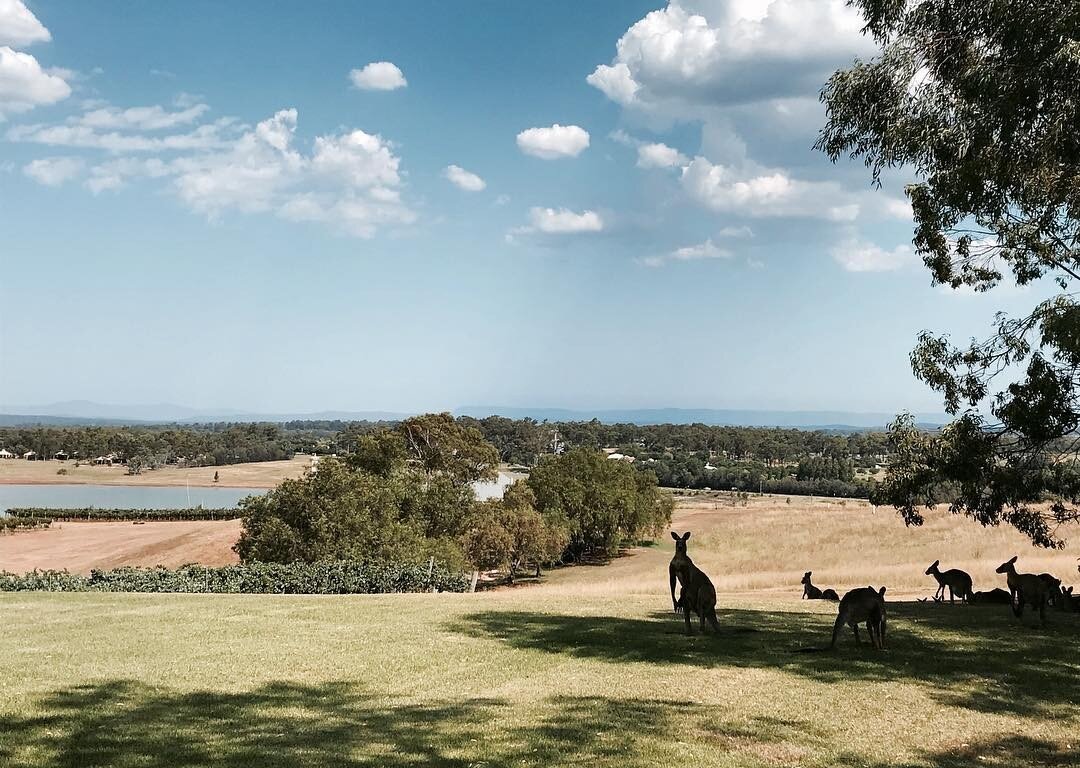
(337, 578)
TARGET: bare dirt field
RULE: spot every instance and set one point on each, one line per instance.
(262, 474)
(80, 547)
(761, 549)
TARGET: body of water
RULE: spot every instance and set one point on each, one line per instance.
(161, 497)
(121, 496)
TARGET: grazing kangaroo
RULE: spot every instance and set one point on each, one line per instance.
(995, 596)
(698, 593)
(810, 592)
(1024, 588)
(958, 582)
(859, 605)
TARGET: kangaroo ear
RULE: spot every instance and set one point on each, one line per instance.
(675, 536)
(936, 562)
(882, 592)
(686, 536)
(1014, 558)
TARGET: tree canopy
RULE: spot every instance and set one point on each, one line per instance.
(979, 100)
(606, 503)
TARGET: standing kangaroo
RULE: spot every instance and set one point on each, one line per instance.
(810, 592)
(1024, 588)
(1053, 589)
(858, 605)
(958, 582)
(698, 593)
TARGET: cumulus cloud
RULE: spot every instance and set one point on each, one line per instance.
(18, 26)
(735, 52)
(858, 256)
(463, 179)
(660, 156)
(764, 193)
(554, 142)
(53, 171)
(559, 221)
(701, 251)
(378, 76)
(25, 85)
(351, 181)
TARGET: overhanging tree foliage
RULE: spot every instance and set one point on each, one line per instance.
(979, 98)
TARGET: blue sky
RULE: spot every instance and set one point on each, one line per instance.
(585, 205)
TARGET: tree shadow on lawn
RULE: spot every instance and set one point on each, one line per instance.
(124, 724)
(969, 656)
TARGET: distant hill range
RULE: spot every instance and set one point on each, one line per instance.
(85, 412)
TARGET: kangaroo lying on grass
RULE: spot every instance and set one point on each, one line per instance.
(958, 582)
(859, 605)
(810, 592)
(1024, 588)
(995, 596)
(698, 593)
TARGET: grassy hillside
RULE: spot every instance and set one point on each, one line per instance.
(589, 669)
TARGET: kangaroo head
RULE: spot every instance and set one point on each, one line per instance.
(680, 542)
(932, 568)
(1007, 566)
(806, 577)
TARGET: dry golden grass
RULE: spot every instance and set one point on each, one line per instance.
(764, 548)
(260, 474)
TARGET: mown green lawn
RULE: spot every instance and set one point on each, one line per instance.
(522, 678)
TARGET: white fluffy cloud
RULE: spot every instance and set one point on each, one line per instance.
(378, 76)
(18, 26)
(660, 156)
(554, 142)
(699, 252)
(463, 179)
(559, 221)
(858, 256)
(53, 171)
(708, 52)
(351, 181)
(25, 85)
(768, 193)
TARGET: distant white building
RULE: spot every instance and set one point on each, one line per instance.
(6, 454)
(30, 455)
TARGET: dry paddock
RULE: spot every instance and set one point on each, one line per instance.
(760, 549)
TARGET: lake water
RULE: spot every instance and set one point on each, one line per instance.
(120, 496)
(159, 497)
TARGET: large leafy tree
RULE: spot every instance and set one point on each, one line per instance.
(980, 100)
(606, 503)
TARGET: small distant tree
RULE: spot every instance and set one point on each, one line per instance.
(215, 476)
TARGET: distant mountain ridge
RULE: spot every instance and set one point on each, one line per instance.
(85, 412)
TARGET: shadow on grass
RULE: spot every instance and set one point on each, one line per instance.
(124, 724)
(972, 657)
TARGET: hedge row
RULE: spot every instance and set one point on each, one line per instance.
(335, 578)
(99, 513)
(12, 523)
